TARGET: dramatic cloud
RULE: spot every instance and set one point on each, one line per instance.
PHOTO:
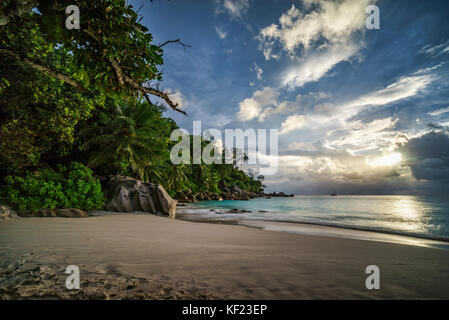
(318, 170)
(403, 88)
(293, 122)
(348, 151)
(344, 131)
(428, 156)
(353, 106)
(357, 136)
(326, 33)
(363, 156)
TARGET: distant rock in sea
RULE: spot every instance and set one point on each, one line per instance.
(278, 195)
(227, 193)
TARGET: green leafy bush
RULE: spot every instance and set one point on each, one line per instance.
(72, 187)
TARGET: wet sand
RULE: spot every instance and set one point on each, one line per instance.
(142, 256)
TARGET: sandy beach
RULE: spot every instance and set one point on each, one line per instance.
(142, 256)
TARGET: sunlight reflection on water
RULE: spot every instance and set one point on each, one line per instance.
(413, 215)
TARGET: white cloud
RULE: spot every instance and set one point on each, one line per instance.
(281, 108)
(268, 54)
(293, 122)
(439, 111)
(336, 129)
(301, 146)
(333, 21)
(264, 104)
(435, 50)
(326, 33)
(357, 136)
(177, 97)
(259, 71)
(222, 34)
(235, 8)
(251, 108)
(403, 88)
(314, 67)
(301, 104)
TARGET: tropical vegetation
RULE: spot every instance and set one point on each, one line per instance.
(77, 106)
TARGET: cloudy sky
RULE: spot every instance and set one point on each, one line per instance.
(364, 111)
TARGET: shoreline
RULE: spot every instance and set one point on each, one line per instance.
(331, 231)
(187, 216)
(143, 256)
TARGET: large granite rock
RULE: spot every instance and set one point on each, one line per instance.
(125, 194)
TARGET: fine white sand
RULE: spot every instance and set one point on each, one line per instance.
(137, 255)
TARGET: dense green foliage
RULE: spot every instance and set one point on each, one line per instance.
(38, 113)
(244, 182)
(109, 31)
(74, 99)
(73, 187)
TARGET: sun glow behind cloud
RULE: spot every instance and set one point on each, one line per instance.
(390, 159)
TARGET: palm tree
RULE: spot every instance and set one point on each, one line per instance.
(132, 135)
(175, 176)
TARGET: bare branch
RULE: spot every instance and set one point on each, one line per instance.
(157, 93)
(175, 41)
(146, 98)
(40, 67)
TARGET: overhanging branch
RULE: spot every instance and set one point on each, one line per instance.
(40, 67)
(123, 78)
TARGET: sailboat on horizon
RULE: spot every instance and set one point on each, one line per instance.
(334, 194)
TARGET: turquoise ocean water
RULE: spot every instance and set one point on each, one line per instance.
(418, 216)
